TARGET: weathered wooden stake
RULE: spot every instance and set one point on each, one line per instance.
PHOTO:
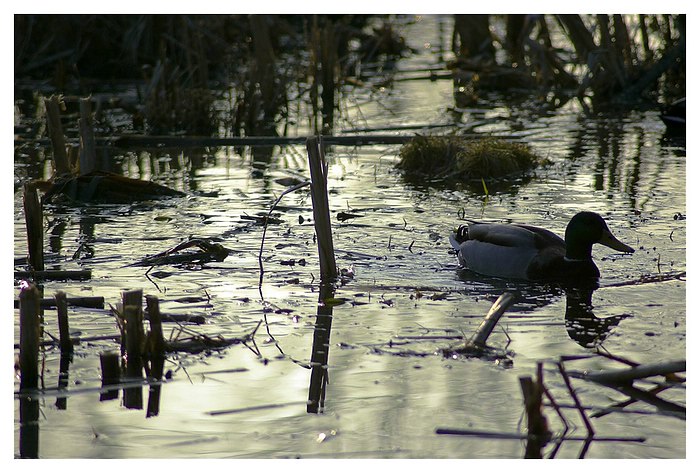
(319, 199)
(63, 331)
(29, 330)
(35, 227)
(58, 142)
(88, 155)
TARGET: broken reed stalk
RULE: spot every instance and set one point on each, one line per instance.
(320, 349)
(58, 141)
(63, 330)
(156, 349)
(88, 155)
(127, 141)
(155, 336)
(489, 323)
(577, 403)
(93, 302)
(319, 199)
(63, 375)
(35, 227)
(329, 66)
(626, 376)
(54, 275)
(133, 397)
(537, 426)
(134, 341)
(29, 330)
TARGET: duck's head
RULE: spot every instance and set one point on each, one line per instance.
(585, 229)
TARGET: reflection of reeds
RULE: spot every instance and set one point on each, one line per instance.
(171, 104)
(601, 58)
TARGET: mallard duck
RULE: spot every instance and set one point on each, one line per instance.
(673, 115)
(532, 253)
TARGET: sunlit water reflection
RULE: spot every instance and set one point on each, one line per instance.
(406, 285)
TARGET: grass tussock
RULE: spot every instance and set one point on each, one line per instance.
(455, 157)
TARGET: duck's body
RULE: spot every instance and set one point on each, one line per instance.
(533, 253)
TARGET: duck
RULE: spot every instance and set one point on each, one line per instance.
(526, 252)
(673, 115)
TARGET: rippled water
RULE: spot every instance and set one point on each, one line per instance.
(383, 400)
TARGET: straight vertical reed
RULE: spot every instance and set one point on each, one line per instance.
(132, 343)
(156, 357)
(319, 199)
(538, 433)
(29, 329)
(133, 397)
(35, 227)
(58, 142)
(155, 336)
(133, 298)
(88, 154)
(63, 330)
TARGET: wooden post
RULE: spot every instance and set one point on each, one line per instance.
(35, 227)
(319, 199)
(29, 337)
(63, 331)
(88, 155)
(58, 142)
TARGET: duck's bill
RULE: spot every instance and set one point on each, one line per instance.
(611, 242)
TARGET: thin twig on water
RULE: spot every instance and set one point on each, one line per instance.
(262, 240)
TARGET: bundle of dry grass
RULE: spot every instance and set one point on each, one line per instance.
(455, 157)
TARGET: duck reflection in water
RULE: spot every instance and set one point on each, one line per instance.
(582, 325)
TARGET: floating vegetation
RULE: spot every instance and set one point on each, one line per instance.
(206, 251)
(105, 187)
(456, 157)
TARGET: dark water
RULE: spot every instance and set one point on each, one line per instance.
(384, 399)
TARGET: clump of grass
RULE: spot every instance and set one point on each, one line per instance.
(466, 159)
